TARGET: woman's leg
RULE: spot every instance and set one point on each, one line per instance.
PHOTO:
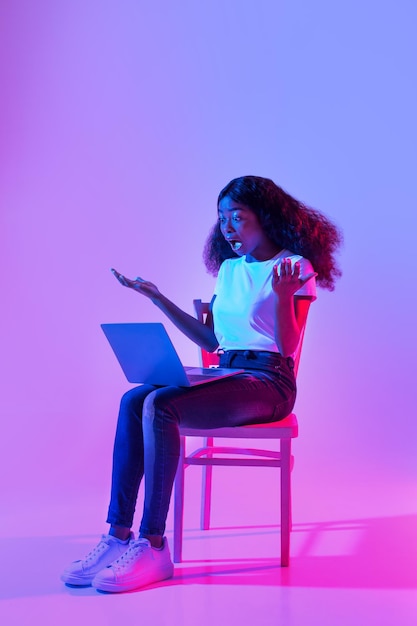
(246, 398)
(127, 474)
(128, 463)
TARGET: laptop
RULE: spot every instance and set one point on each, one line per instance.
(146, 355)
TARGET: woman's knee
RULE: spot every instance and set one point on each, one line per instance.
(159, 404)
(132, 401)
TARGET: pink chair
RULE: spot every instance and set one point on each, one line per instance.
(284, 431)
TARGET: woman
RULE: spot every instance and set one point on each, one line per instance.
(263, 247)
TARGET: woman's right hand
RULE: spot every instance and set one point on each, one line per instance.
(144, 287)
(202, 334)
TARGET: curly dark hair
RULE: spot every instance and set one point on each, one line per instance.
(288, 223)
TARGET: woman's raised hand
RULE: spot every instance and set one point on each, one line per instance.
(286, 280)
(138, 284)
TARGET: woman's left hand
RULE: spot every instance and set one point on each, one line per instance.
(286, 280)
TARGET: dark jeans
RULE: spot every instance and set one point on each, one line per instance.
(147, 436)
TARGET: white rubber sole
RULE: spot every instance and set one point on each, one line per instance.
(134, 583)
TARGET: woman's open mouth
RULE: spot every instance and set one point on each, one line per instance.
(235, 244)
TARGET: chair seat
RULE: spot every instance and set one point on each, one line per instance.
(284, 429)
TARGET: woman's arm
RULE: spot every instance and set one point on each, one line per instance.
(290, 310)
(202, 334)
(291, 317)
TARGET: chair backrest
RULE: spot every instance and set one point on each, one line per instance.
(202, 310)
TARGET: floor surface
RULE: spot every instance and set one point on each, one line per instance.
(349, 571)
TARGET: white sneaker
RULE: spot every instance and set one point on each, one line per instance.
(106, 551)
(139, 566)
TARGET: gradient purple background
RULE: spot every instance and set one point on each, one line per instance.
(120, 123)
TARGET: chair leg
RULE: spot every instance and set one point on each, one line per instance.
(179, 504)
(285, 501)
(206, 488)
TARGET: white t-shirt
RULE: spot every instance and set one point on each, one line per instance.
(243, 311)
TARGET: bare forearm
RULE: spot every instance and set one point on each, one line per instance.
(201, 334)
(287, 331)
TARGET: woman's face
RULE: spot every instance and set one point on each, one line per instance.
(241, 229)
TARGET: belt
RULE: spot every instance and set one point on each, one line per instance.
(255, 359)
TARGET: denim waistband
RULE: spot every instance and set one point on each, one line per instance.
(255, 360)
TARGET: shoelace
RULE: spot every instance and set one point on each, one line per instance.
(135, 548)
(99, 548)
